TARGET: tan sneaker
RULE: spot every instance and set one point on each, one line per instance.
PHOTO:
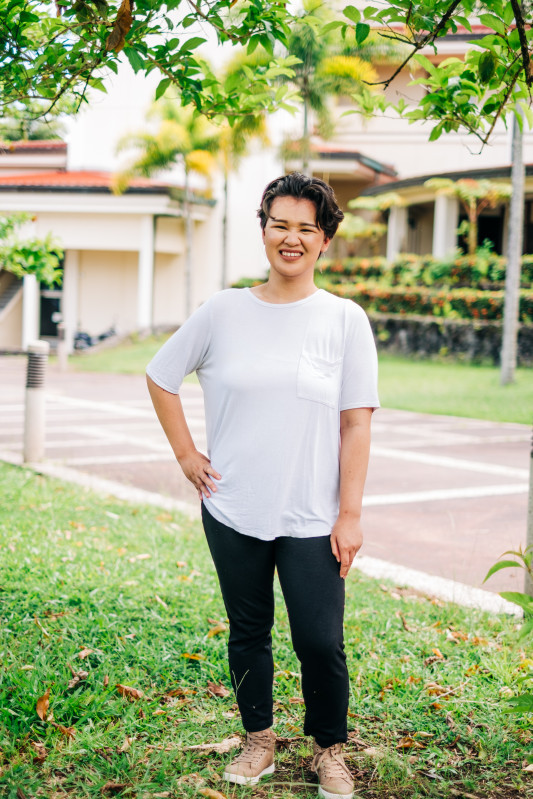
(255, 760)
(335, 780)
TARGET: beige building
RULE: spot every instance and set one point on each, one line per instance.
(124, 263)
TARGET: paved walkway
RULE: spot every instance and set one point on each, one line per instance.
(444, 495)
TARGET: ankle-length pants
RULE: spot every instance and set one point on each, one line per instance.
(314, 595)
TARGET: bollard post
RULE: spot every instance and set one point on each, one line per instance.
(62, 356)
(34, 417)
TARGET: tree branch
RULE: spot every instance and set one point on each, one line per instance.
(519, 19)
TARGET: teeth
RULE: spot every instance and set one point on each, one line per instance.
(291, 254)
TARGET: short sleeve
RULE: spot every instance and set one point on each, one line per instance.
(184, 352)
(359, 387)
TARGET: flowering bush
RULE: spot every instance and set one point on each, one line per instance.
(485, 270)
(457, 303)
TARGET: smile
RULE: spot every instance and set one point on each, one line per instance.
(289, 254)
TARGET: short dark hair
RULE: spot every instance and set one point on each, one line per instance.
(328, 214)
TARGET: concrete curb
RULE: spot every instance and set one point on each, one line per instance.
(439, 587)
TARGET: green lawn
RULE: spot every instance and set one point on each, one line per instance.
(456, 389)
(126, 596)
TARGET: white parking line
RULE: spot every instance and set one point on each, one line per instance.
(447, 462)
(444, 493)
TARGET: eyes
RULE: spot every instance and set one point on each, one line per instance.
(302, 230)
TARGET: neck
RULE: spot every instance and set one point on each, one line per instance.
(281, 291)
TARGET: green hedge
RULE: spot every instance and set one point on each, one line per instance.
(484, 271)
(457, 303)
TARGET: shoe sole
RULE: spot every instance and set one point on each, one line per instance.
(327, 795)
(240, 779)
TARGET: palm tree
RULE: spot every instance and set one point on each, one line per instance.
(330, 66)
(183, 137)
(235, 138)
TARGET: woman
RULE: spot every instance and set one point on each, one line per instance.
(289, 379)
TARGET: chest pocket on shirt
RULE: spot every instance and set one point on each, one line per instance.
(319, 378)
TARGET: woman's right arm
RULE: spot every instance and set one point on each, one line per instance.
(195, 466)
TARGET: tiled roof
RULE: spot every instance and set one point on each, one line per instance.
(33, 146)
(83, 180)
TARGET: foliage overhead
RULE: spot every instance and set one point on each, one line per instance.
(494, 79)
(61, 48)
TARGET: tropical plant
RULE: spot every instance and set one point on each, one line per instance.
(329, 66)
(523, 560)
(29, 255)
(183, 137)
(475, 196)
(355, 228)
(236, 136)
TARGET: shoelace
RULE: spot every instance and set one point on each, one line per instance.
(254, 749)
(330, 760)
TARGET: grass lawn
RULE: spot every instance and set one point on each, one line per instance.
(99, 597)
(455, 389)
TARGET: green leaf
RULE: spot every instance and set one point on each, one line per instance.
(191, 44)
(520, 599)
(162, 87)
(362, 29)
(502, 564)
(520, 704)
(490, 21)
(353, 13)
(134, 58)
(487, 66)
(525, 630)
(436, 132)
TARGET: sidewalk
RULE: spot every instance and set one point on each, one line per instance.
(445, 496)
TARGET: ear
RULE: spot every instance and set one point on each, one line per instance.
(325, 244)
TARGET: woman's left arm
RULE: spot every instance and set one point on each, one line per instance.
(346, 536)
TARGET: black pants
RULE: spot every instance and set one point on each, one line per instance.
(314, 595)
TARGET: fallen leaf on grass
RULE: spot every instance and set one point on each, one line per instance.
(181, 692)
(21, 794)
(126, 745)
(41, 628)
(224, 746)
(219, 628)
(77, 677)
(180, 564)
(408, 742)
(129, 692)
(143, 556)
(528, 768)
(434, 689)
(161, 602)
(39, 749)
(193, 656)
(372, 751)
(70, 732)
(159, 712)
(217, 689)
(85, 652)
(296, 700)
(114, 787)
(405, 625)
(42, 705)
(209, 792)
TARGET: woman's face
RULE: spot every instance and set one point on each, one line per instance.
(293, 241)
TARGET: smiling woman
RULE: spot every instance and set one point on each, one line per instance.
(288, 373)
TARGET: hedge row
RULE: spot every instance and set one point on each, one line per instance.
(483, 271)
(470, 341)
(456, 303)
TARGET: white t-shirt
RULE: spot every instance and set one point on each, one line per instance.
(275, 378)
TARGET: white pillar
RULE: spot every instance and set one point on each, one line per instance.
(396, 232)
(145, 282)
(31, 310)
(69, 298)
(445, 224)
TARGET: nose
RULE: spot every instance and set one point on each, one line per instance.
(291, 238)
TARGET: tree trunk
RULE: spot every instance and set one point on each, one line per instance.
(224, 275)
(514, 257)
(188, 248)
(306, 149)
(472, 227)
(528, 581)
